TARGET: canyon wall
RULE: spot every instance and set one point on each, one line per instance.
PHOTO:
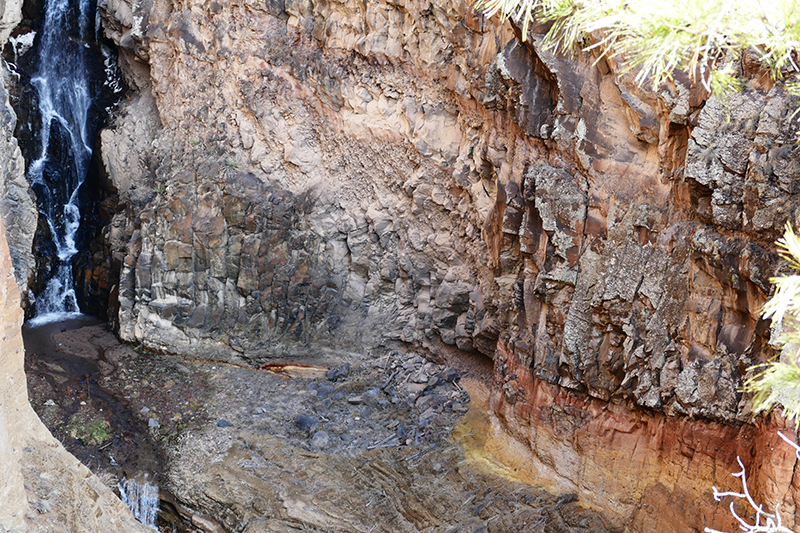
(325, 181)
(17, 205)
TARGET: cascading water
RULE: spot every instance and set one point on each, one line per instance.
(141, 499)
(59, 163)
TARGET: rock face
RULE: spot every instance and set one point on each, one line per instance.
(324, 180)
(17, 205)
(42, 488)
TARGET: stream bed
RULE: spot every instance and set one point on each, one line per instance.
(68, 365)
(381, 447)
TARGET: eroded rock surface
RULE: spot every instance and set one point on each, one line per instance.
(42, 488)
(310, 181)
(17, 205)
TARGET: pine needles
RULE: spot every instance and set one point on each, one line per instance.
(656, 38)
(778, 383)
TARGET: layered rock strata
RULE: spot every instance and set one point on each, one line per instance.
(324, 180)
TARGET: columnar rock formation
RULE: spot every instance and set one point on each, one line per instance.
(308, 179)
(299, 179)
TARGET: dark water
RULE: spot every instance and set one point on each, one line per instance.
(73, 385)
(75, 379)
(70, 91)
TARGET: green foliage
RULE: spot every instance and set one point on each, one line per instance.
(92, 433)
(656, 38)
(778, 383)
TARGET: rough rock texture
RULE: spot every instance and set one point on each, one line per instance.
(654, 471)
(14, 395)
(291, 221)
(291, 485)
(323, 180)
(43, 488)
(17, 205)
(10, 16)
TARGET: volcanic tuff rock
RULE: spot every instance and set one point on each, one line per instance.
(17, 205)
(334, 178)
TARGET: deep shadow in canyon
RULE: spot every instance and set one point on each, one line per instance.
(67, 366)
(96, 198)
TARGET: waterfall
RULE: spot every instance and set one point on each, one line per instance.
(141, 499)
(64, 142)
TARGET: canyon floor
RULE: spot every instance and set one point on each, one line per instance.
(393, 446)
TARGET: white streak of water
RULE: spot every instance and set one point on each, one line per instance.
(62, 85)
(141, 499)
(22, 43)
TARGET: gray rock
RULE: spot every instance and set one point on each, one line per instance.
(306, 422)
(426, 418)
(224, 423)
(324, 390)
(421, 376)
(372, 397)
(431, 401)
(415, 389)
(153, 423)
(432, 382)
(450, 375)
(320, 440)
(335, 374)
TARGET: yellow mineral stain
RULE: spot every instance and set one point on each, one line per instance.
(484, 447)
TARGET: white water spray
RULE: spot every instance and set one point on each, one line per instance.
(60, 168)
(141, 499)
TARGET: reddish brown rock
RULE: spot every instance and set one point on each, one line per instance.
(326, 181)
(652, 472)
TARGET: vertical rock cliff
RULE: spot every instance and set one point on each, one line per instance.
(17, 205)
(327, 180)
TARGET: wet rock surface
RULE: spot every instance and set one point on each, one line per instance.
(286, 447)
(86, 387)
(18, 206)
(43, 487)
